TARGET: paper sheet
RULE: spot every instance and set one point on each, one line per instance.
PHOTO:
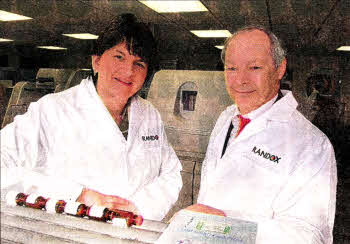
(189, 227)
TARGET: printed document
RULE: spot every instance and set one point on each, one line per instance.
(189, 227)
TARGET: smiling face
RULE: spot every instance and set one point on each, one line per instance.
(120, 74)
(250, 74)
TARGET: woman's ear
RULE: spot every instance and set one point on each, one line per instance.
(95, 62)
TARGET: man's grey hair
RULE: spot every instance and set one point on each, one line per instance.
(276, 49)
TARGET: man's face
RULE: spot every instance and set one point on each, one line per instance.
(250, 74)
(119, 72)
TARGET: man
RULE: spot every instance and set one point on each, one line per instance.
(280, 170)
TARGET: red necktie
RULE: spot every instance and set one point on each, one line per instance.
(242, 123)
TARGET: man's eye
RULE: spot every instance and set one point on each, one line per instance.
(118, 56)
(230, 68)
(255, 67)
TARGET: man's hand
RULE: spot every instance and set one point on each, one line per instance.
(202, 209)
(90, 197)
(205, 209)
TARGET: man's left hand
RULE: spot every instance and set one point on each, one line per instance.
(205, 209)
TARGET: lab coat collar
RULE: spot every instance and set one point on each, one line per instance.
(280, 111)
(85, 87)
(136, 117)
(283, 109)
(88, 98)
(261, 110)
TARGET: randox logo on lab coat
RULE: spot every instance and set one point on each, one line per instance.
(150, 138)
(266, 155)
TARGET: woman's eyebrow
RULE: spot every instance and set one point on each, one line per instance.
(121, 52)
(140, 60)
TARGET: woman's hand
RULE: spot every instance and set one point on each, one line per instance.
(90, 197)
(205, 209)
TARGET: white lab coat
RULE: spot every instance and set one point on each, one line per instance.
(291, 198)
(68, 140)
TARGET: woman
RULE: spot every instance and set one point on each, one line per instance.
(99, 142)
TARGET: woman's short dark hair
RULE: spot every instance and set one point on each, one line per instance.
(137, 36)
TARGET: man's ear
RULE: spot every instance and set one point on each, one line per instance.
(95, 62)
(282, 68)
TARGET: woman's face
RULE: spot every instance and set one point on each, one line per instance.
(120, 73)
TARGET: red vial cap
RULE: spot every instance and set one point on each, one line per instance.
(138, 220)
